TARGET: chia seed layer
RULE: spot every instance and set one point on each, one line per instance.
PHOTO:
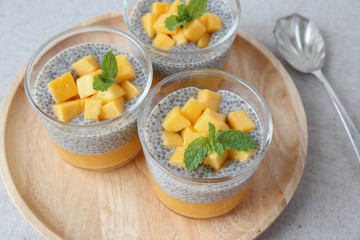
(193, 192)
(86, 141)
(166, 65)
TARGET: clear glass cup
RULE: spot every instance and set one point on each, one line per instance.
(168, 62)
(194, 196)
(101, 145)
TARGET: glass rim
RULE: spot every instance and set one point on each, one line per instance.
(71, 32)
(175, 53)
(189, 179)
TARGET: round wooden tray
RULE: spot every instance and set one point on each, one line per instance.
(65, 202)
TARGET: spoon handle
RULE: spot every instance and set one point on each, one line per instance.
(344, 116)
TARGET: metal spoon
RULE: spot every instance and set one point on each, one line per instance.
(299, 41)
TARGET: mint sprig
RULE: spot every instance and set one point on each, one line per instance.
(109, 71)
(186, 13)
(201, 147)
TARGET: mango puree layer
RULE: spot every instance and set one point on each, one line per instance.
(101, 161)
(198, 210)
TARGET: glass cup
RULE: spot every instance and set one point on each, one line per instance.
(168, 62)
(99, 145)
(185, 194)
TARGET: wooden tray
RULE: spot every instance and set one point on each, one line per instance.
(65, 202)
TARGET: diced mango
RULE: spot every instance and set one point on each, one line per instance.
(131, 90)
(92, 109)
(159, 8)
(66, 111)
(204, 40)
(242, 156)
(194, 31)
(211, 21)
(203, 19)
(179, 37)
(85, 84)
(85, 65)
(225, 126)
(239, 120)
(215, 161)
(112, 109)
(209, 99)
(115, 91)
(163, 41)
(202, 124)
(192, 109)
(175, 121)
(186, 131)
(172, 139)
(190, 136)
(148, 21)
(126, 71)
(174, 6)
(178, 156)
(159, 25)
(63, 87)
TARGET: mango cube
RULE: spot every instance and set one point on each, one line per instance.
(85, 84)
(66, 111)
(92, 109)
(171, 139)
(112, 109)
(159, 25)
(179, 37)
(175, 121)
(159, 8)
(115, 91)
(215, 161)
(178, 156)
(204, 40)
(194, 31)
(85, 65)
(225, 126)
(212, 22)
(148, 21)
(190, 135)
(163, 41)
(217, 119)
(209, 99)
(131, 90)
(126, 71)
(174, 6)
(63, 88)
(242, 156)
(239, 120)
(192, 109)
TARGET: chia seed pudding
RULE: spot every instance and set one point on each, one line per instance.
(101, 140)
(230, 102)
(187, 56)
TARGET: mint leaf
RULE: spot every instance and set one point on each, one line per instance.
(102, 84)
(196, 8)
(219, 149)
(109, 71)
(234, 139)
(172, 22)
(212, 135)
(196, 152)
(109, 65)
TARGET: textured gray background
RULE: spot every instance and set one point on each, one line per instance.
(326, 204)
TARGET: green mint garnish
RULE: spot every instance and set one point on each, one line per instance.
(186, 13)
(201, 147)
(109, 71)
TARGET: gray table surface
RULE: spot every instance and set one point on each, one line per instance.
(326, 204)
